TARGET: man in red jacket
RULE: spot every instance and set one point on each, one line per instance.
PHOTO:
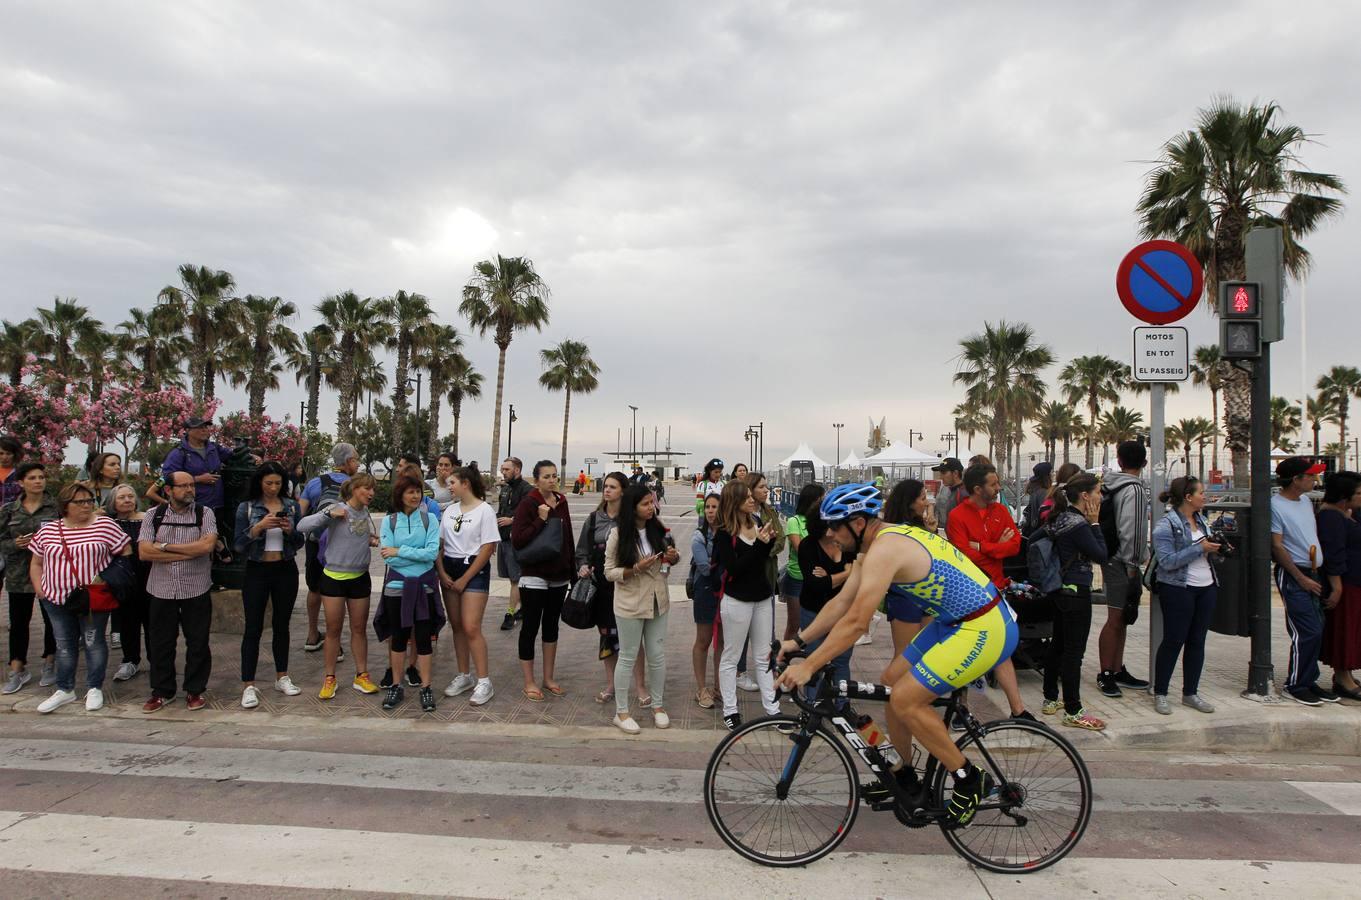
(985, 532)
(981, 527)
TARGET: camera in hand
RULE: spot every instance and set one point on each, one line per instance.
(1228, 543)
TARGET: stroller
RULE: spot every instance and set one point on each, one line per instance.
(1034, 616)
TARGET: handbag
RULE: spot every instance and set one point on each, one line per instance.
(1150, 577)
(576, 608)
(546, 545)
(77, 602)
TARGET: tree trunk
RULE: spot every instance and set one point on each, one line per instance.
(496, 419)
(1091, 428)
(209, 381)
(255, 387)
(313, 390)
(1238, 425)
(1342, 428)
(399, 396)
(345, 412)
(1214, 414)
(1202, 460)
(566, 414)
(457, 404)
(436, 400)
(1317, 428)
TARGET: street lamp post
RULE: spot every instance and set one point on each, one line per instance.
(914, 434)
(633, 433)
(417, 379)
(302, 413)
(949, 439)
(758, 460)
(510, 429)
(836, 464)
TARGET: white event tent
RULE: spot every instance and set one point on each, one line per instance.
(899, 455)
(805, 453)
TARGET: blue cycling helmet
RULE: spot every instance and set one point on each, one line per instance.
(847, 500)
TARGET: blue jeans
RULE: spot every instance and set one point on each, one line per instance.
(1304, 624)
(841, 665)
(1186, 621)
(68, 630)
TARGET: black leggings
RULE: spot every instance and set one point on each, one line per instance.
(539, 604)
(132, 619)
(267, 583)
(20, 615)
(1072, 625)
(424, 637)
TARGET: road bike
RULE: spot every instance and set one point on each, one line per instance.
(783, 790)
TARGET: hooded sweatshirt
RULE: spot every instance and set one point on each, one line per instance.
(1132, 516)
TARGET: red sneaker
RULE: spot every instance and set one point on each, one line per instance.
(154, 704)
(195, 701)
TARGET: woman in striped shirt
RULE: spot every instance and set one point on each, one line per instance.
(68, 554)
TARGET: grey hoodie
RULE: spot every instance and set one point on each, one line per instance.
(1132, 516)
(347, 547)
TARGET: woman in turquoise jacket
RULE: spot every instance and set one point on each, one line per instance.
(410, 604)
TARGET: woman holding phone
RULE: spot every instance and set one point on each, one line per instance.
(743, 548)
(1187, 585)
(267, 534)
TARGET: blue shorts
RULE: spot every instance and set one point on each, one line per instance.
(946, 657)
(790, 586)
(454, 567)
(899, 609)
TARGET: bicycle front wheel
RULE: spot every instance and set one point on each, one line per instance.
(775, 805)
(1038, 811)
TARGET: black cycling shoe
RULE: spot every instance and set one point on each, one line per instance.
(508, 622)
(1108, 683)
(876, 792)
(427, 700)
(413, 678)
(387, 679)
(1125, 678)
(393, 696)
(732, 722)
(1026, 716)
(968, 792)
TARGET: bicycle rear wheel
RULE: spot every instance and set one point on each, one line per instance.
(1039, 811)
(742, 799)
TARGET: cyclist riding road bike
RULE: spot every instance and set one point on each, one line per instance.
(972, 631)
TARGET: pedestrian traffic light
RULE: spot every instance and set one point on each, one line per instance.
(1240, 319)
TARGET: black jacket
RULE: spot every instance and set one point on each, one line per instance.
(743, 567)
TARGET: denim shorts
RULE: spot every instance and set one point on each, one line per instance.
(454, 567)
(705, 605)
(790, 586)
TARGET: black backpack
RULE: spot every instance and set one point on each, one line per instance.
(1107, 518)
(158, 518)
(329, 496)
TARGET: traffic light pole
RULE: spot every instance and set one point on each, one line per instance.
(1264, 265)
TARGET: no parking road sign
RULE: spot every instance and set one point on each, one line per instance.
(1159, 282)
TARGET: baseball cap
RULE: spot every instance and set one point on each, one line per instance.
(1295, 466)
(948, 464)
(198, 422)
(1042, 469)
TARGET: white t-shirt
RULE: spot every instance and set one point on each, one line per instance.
(464, 533)
(1198, 573)
(274, 540)
(644, 548)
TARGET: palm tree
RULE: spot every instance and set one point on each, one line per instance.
(1202, 430)
(969, 420)
(504, 297)
(1092, 379)
(1054, 422)
(356, 323)
(568, 367)
(196, 304)
(408, 315)
(1336, 449)
(439, 353)
(263, 336)
(312, 361)
(1340, 385)
(1209, 369)
(1121, 424)
(1235, 170)
(16, 343)
(1285, 421)
(60, 329)
(1321, 410)
(157, 341)
(1000, 369)
(369, 378)
(464, 383)
(99, 351)
(1174, 437)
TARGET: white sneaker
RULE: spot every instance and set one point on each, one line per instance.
(94, 699)
(864, 639)
(250, 697)
(58, 699)
(461, 684)
(482, 693)
(126, 671)
(628, 726)
(746, 683)
(661, 719)
(286, 687)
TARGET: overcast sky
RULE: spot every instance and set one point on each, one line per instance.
(786, 212)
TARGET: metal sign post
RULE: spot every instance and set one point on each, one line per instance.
(1159, 282)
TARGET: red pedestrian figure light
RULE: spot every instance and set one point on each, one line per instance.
(1241, 302)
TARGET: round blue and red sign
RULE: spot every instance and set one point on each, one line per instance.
(1159, 282)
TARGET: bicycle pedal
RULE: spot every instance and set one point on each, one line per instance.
(883, 805)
